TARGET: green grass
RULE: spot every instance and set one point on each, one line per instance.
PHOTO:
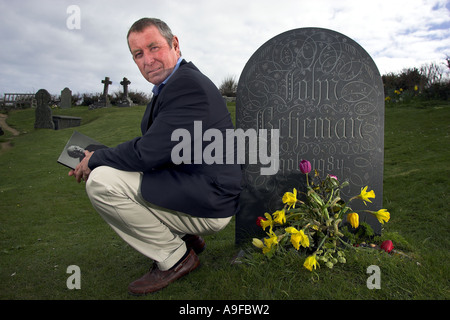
(48, 224)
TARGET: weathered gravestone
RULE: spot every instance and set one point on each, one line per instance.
(43, 113)
(125, 101)
(103, 102)
(66, 98)
(325, 95)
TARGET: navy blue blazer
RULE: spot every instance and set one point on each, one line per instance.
(201, 190)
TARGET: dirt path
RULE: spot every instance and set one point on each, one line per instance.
(6, 145)
(5, 126)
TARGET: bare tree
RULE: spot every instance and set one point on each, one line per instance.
(432, 72)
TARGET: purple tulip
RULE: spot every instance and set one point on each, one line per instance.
(305, 166)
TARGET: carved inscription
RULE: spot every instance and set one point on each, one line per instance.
(325, 95)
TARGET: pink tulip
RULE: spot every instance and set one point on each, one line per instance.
(387, 246)
(305, 166)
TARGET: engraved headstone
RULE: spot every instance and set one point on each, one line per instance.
(43, 112)
(325, 95)
(125, 101)
(66, 98)
(103, 102)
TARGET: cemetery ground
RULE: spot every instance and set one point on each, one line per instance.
(48, 224)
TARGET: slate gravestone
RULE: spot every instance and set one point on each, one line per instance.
(66, 98)
(325, 95)
(125, 101)
(103, 102)
(43, 113)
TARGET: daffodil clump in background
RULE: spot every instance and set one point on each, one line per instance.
(314, 224)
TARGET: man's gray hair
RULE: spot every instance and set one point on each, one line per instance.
(144, 23)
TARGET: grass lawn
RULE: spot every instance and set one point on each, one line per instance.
(48, 224)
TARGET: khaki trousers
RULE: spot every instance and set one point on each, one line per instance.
(154, 231)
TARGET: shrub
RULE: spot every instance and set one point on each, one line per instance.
(228, 87)
(139, 98)
(90, 98)
(428, 82)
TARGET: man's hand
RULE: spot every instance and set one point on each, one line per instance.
(82, 170)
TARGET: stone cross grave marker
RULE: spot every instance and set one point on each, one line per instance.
(103, 102)
(125, 100)
(325, 95)
(66, 98)
(106, 83)
(125, 83)
(43, 113)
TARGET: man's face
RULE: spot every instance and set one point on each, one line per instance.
(153, 55)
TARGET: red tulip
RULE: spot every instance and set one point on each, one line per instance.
(387, 246)
(305, 166)
(258, 221)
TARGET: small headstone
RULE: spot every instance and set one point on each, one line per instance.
(103, 102)
(325, 95)
(43, 112)
(125, 101)
(66, 98)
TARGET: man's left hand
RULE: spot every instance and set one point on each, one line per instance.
(82, 170)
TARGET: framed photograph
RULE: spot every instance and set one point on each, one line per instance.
(73, 152)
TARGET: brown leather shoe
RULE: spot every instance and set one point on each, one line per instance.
(194, 242)
(156, 279)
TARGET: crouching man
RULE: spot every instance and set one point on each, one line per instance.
(158, 207)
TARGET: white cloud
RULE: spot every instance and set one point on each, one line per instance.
(39, 51)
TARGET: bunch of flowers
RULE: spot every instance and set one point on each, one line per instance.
(314, 223)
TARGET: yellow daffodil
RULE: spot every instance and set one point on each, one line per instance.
(267, 223)
(258, 243)
(364, 195)
(310, 262)
(382, 215)
(269, 242)
(353, 218)
(298, 237)
(280, 216)
(290, 198)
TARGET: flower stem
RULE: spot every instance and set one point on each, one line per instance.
(321, 243)
(345, 243)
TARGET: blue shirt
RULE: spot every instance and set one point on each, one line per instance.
(157, 89)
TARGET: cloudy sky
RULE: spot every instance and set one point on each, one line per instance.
(42, 45)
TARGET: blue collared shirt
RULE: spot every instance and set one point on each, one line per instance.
(157, 89)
